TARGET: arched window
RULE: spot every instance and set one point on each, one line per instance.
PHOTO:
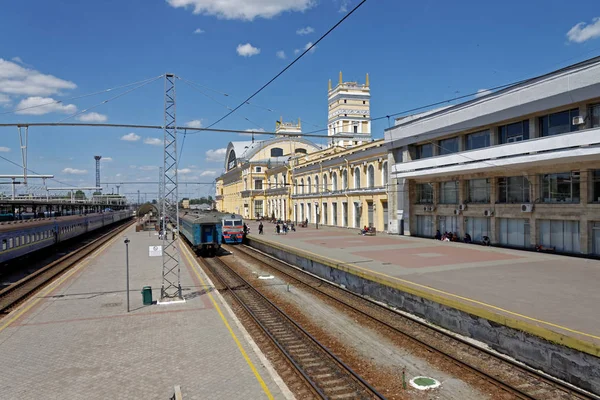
(283, 179)
(295, 186)
(276, 152)
(302, 185)
(345, 179)
(384, 174)
(356, 178)
(276, 181)
(309, 184)
(317, 188)
(325, 188)
(303, 151)
(371, 176)
(334, 186)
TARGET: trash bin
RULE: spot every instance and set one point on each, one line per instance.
(147, 295)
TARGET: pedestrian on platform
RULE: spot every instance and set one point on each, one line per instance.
(277, 229)
(260, 228)
(285, 228)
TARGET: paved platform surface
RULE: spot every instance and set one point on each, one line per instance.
(555, 292)
(75, 339)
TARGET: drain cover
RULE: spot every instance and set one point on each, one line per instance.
(424, 383)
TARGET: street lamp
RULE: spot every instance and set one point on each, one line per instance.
(317, 214)
(127, 268)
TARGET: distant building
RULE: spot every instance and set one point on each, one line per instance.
(185, 203)
(349, 113)
(520, 166)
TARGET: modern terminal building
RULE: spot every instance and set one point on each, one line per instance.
(520, 165)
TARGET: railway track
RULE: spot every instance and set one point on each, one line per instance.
(327, 375)
(508, 375)
(14, 294)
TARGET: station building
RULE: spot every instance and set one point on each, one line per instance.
(250, 183)
(520, 165)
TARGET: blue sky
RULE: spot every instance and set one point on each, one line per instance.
(415, 52)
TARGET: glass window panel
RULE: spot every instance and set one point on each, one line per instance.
(477, 140)
(556, 235)
(448, 146)
(595, 115)
(557, 123)
(561, 187)
(424, 193)
(449, 192)
(478, 191)
(424, 151)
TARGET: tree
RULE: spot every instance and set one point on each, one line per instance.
(80, 195)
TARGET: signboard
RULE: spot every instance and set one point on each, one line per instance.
(155, 251)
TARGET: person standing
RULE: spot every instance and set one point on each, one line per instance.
(277, 229)
(260, 228)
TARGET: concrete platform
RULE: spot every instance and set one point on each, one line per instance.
(550, 297)
(75, 339)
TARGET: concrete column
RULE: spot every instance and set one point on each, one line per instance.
(584, 184)
(533, 128)
(584, 198)
(493, 197)
(534, 194)
(462, 185)
(494, 136)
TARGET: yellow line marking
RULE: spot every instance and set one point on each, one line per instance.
(235, 339)
(338, 264)
(50, 288)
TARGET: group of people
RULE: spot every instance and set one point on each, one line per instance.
(280, 227)
(453, 237)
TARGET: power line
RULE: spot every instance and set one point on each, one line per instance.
(289, 65)
(33, 172)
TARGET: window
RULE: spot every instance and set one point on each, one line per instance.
(355, 128)
(325, 188)
(424, 193)
(514, 132)
(513, 232)
(276, 152)
(448, 146)
(334, 185)
(258, 184)
(357, 178)
(384, 174)
(317, 189)
(595, 185)
(295, 186)
(449, 192)
(258, 208)
(425, 226)
(477, 227)
(258, 169)
(344, 101)
(371, 176)
(557, 123)
(245, 183)
(595, 115)
(562, 235)
(514, 189)
(477, 140)
(424, 151)
(478, 191)
(303, 151)
(309, 184)
(563, 187)
(302, 185)
(4, 244)
(345, 179)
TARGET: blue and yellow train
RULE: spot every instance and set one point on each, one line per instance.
(22, 237)
(207, 230)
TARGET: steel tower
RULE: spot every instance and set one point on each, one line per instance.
(97, 158)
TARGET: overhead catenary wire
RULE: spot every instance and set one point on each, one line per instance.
(16, 110)
(290, 64)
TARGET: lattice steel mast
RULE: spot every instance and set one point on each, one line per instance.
(161, 184)
(171, 284)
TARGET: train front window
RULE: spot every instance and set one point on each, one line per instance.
(228, 223)
(237, 222)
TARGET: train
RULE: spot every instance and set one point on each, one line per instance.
(207, 230)
(23, 237)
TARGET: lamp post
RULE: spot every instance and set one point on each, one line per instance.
(127, 269)
(317, 214)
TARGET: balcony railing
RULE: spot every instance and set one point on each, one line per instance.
(367, 190)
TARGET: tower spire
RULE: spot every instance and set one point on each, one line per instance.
(340, 82)
(367, 80)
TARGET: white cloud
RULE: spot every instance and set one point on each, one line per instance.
(147, 167)
(74, 171)
(4, 99)
(198, 31)
(344, 6)
(15, 79)
(483, 92)
(208, 173)
(106, 159)
(582, 31)
(280, 54)
(43, 105)
(4, 149)
(217, 155)
(306, 47)
(131, 137)
(153, 141)
(243, 9)
(184, 171)
(196, 123)
(17, 60)
(118, 175)
(247, 50)
(305, 31)
(92, 117)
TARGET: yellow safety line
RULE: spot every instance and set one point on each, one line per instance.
(32, 302)
(235, 339)
(333, 260)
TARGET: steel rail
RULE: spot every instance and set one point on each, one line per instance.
(15, 293)
(549, 380)
(277, 311)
